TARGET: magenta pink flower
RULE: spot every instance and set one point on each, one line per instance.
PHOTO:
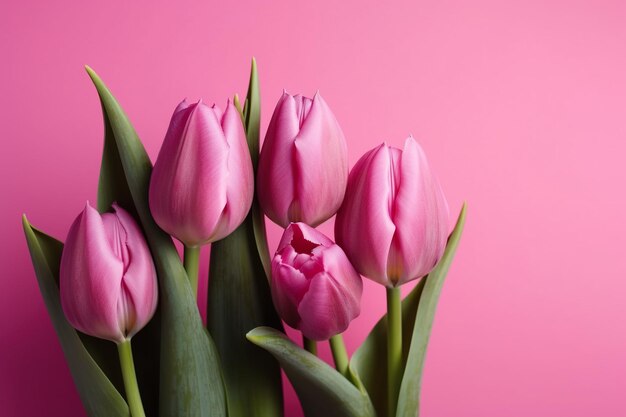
(107, 280)
(394, 221)
(303, 166)
(202, 184)
(314, 286)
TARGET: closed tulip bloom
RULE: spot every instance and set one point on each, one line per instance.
(394, 221)
(303, 166)
(202, 183)
(314, 286)
(107, 281)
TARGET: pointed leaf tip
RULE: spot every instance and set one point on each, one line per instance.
(92, 74)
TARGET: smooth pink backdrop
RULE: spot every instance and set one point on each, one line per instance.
(520, 106)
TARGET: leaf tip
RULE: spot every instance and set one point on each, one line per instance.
(97, 81)
(25, 221)
(463, 211)
(258, 333)
(90, 71)
(253, 338)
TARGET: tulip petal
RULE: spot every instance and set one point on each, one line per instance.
(188, 184)
(325, 311)
(139, 289)
(336, 262)
(363, 227)
(90, 278)
(421, 215)
(321, 166)
(240, 176)
(275, 172)
(288, 287)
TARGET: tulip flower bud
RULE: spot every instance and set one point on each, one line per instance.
(314, 286)
(202, 184)
(107, 281)
(394, 221)
(303, 166)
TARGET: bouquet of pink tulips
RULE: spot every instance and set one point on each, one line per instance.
(120, 279)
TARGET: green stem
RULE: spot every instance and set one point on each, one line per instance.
(309, 345)
(340, 354)
(394, 348)
(130, 379)
(191, 261)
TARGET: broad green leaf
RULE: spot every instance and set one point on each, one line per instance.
(239, 300)
(190, 382)
(97, 393)
(409, 397)
(323, 391)
(366, 361)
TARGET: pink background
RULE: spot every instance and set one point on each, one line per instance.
(520, 106)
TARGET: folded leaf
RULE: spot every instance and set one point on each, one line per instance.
(97, 393)
(239, 300)
(323, 391)
(252, 124)
(190, 376)
(410, 389)
(112, 187)
(366, 361)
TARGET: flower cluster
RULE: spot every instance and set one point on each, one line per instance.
(391, 226)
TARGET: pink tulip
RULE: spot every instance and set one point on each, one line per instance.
(107, 282)
(202, 183)
(394, 221)
(314, 286)
(303, 166)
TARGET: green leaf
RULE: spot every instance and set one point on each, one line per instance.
(409, 397)
(239, 300)
(323, 391)
(252, 125)
(112, 187)
(190, 380)
(97, 393)
(366, 361)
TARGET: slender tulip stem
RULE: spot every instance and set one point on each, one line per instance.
(394, 348)
(340, 354)
(191, 261)
(130, 379)
(309, 345)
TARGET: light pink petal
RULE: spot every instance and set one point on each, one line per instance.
(288, 287)
(219, 114)
(321, 161)
(303, 106)
(421, 216)
(188, 184)
(336, 263)
(363, 227)
(240, 176)
(90, 278)
(139, 295)
(300, 243)
(302, 231)
(275, 177)
(325, 310)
